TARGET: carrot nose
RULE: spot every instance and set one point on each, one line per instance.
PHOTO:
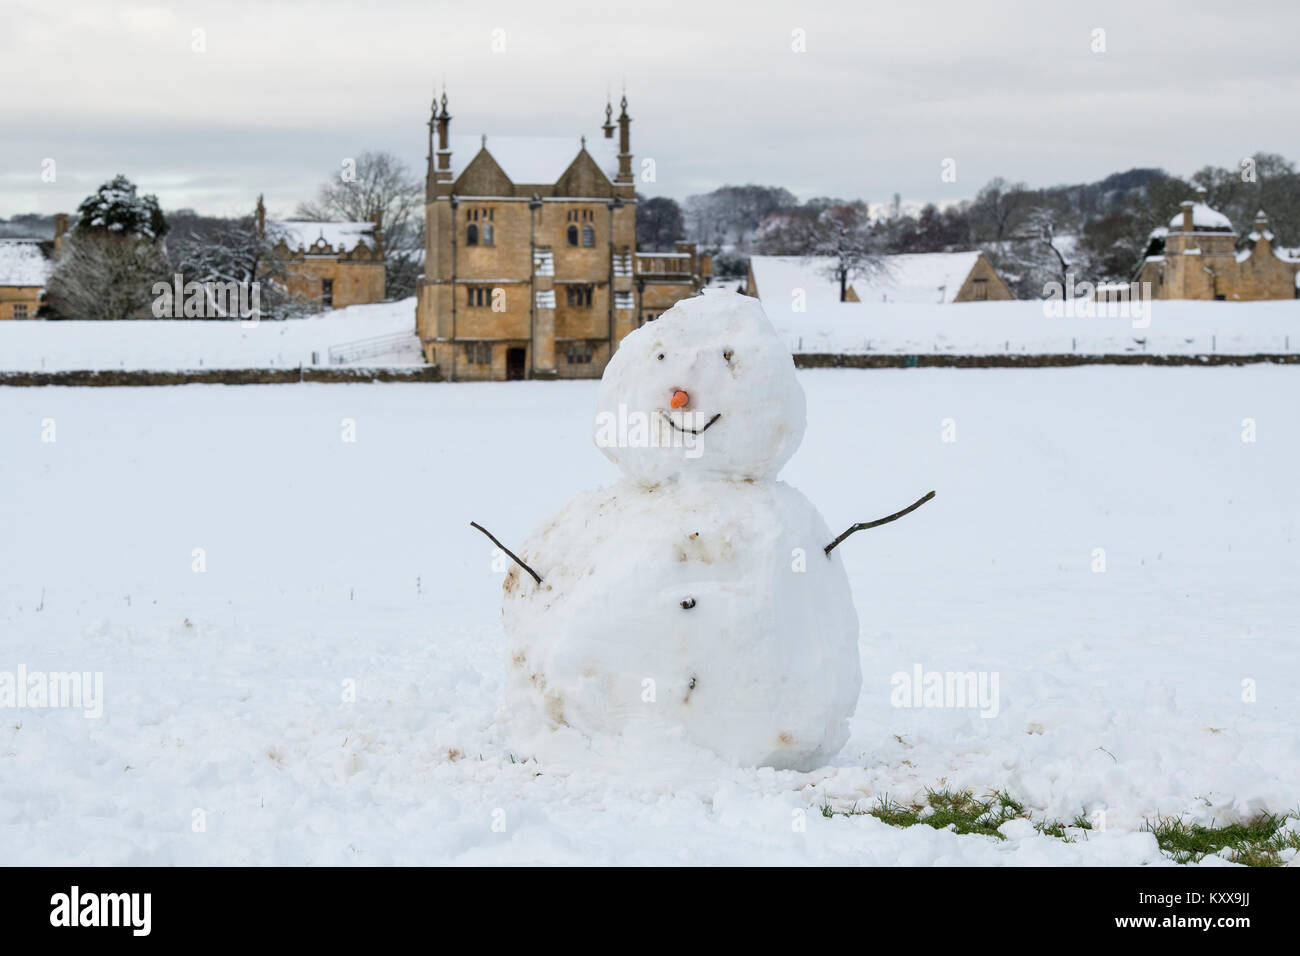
(680, 398)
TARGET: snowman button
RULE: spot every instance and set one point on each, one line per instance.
(688, 604)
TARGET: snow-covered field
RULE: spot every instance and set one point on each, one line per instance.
(230, 732)
(998, 328)
(968, 328)
(167, 344)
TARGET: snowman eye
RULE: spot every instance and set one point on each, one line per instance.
(661, 356)
(688, 603)
(727, 354)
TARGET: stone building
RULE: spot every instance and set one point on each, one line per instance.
(531, 269)
(25, 267)
(24, 270)
(1200, 260)
(337, 264)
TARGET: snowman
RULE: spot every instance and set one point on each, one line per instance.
(698, 599)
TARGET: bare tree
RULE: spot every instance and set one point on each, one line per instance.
(105, 277)
(380, 182)
(843, 233)
(729, 215)
(999, 208)
(1035, 255)
(1044, 226)
(232, 250)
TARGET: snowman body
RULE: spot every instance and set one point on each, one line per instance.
(692, 600)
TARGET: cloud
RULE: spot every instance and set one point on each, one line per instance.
(281, 91)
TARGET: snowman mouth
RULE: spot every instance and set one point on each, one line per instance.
(691, 431)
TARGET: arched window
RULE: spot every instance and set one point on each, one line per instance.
(588, 236)
(573, 235)
(487, 234)
(471, 235)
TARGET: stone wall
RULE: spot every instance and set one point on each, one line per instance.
(430, 373)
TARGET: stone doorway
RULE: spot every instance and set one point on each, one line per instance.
(515, 359)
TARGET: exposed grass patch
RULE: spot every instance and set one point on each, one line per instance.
(1257, 842)
(959, 809)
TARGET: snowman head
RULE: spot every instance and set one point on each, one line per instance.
(707, 390)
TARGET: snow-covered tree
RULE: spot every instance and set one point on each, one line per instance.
(107, 267)
(379, 182)
(116, 208)
(210, 250)
(843, 234)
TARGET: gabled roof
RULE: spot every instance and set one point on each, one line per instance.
(776, 278)
(918, 279)
(913, 279)
(23, 263)
(301, 235)
(534, 160)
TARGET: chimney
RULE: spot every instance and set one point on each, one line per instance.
(60, 229)
(1261, 223)
(1187, 205)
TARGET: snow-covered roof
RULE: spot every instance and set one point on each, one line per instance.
(776, 278)
(534, 160)
(915, 279)
(1203, 217)
(23, 263)
(343, 236)
(918, 278)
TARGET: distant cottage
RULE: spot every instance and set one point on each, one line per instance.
(337, 264)
(1200, 260)
(530, 263)
(25, 267)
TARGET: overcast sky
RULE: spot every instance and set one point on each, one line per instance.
(881, 95)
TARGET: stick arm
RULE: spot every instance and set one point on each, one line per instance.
(864, 525)
(514, 557)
